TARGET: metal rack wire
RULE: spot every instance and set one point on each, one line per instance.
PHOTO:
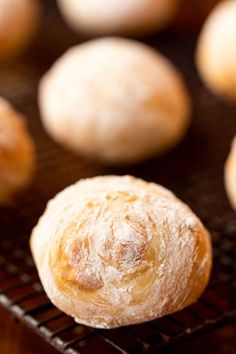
(193, 171)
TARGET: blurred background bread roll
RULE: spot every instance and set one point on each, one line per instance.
(19, 20)
(216, 50)
(16, 152)
(115, 100)
(118, 17)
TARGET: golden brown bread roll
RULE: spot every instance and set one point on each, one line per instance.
(18, 22)
(115, 100)
(230, 175)
(216, 51)
(113, 251)
(16, 152)
(118, 17)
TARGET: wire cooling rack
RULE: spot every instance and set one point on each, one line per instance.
(194, 171)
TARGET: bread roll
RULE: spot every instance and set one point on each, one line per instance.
(230, 175)
(113, 251)
(216, 51)
(115, 100)
(16, 152)
(118, 17)
(18, 22)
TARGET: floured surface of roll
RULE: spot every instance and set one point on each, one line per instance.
(113, 251)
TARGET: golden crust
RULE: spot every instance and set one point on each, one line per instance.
(112, 251)
(16, 152)
(118, 17)
(115, 100)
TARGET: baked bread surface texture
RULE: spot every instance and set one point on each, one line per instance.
(114, 251)
(114, 100)
(17, 158)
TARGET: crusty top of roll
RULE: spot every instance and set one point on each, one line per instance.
(112, 251)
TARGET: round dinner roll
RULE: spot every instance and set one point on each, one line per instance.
(230, 175)
(16, 152)
(18, 22)
(216, 51)
(118, 17)
(113, 251)
(115, 100)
